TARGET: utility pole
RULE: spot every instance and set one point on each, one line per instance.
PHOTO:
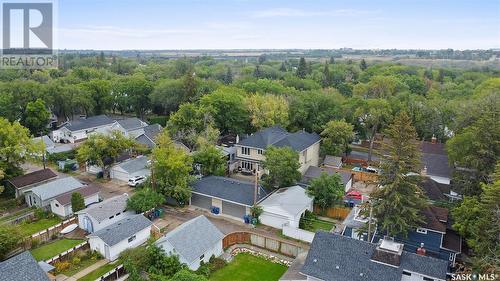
(370, 223)
(256, 187)
(153, 181)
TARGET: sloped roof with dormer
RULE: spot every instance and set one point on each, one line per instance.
(279, 137)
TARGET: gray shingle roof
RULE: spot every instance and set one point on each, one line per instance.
(134, 165)
(56, 187)
(315, 172)
(334, 161)
(123, 229)
(107, 208)
(85, 191)
(150, 133)
(89, 122)
(229, 189)
(277, 136)
(193, 238)
(32, 178)
(22, 267)
(352, 257)
(132, 123)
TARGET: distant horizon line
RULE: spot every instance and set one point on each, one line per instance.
(286, 49)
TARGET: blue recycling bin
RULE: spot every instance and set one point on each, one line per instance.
(215, 210)
(246, 218)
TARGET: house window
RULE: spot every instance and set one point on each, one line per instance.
(260, 151)
(245, 150)
(422, 230)
(246, 165)
(406, 273)
(57, 205)
(132, 238)
(202, 257)
(117, 214)
(111, 217)
(428, 279)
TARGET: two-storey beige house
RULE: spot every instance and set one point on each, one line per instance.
(250, 151)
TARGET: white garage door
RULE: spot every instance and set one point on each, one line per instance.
(234, 210)
(119, 175)
(272, 220)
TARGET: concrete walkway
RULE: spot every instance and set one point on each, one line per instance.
(89, 269)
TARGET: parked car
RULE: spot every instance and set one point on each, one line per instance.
(135, 180)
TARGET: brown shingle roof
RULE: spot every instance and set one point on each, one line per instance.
(85, 191)
(436, 218)
(32, 178)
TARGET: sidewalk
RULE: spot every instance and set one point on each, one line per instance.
(89, 269)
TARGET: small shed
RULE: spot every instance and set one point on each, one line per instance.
(285, 206)
(130, 168)
(61, 205)
(194, 241)
(332, 162)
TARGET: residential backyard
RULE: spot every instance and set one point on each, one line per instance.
(318, 224)
(52, 249)
(246, 267)
(98, 272)
(30, 228)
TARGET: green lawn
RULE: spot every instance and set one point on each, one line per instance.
(98, 272)
(245, 267)
(321, 225)
(30, 228)
(50, 250)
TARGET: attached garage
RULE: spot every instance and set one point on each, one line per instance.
(232, 197)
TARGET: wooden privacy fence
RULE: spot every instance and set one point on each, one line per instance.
(46, 234)
(67, 254)
(272, 244)
(113, 274)
(339, 213)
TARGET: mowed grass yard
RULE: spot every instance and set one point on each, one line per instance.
(50, 250)
(30, 228)
(99, 272)
(245, 267)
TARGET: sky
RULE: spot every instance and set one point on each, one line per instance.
(281, 24)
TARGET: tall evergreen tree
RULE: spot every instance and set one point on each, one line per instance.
(332, 60)
(228, 77)
(302, 68)
(363, 64)
(326, 76)
(398, 203)
(283, 67)
(256, 72)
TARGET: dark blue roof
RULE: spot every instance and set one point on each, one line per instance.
(279, 137)
(334, 257)
(229, 189)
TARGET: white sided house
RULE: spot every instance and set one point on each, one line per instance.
(61, 205)
(285, 207)
(124, 234)
(100, 215)
(41, 196)
(130, 168)
(132, 127)
(79, 130)
(194, 241)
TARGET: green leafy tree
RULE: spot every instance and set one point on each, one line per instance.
(397, 205)
(363, 64)
(16, 147)
(211, 159)
(10, 237)
(171, 167)
(187, 275)
(267, 111)
(282, 164)
(325, 82)
(373, 114)
(136, 89)
(162, 264)
(302, 68)
(100, 93)
(327, 190)
(227, 107)
(145, 200)
(101, 150)
(77, 202)
(36, 117)
(336, 137)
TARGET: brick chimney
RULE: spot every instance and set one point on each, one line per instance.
(433, 139)
(421, 250)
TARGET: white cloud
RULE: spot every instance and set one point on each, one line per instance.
(287, 12)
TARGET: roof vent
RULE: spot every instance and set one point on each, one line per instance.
(337, 267)
(315, 260)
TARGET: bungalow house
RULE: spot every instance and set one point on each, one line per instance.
(194, 241)
(334, 257)
(41, 195)
(250, 151)
(148, 135)
(79, 130)
(124, 234)
(435, 234)
(437, 191)
(285, 206)
(130, 168)
(132, 127)
(98, 216)
(22, 267)
(226, 196)
(314, 172)
(61, 205)
(27, 181)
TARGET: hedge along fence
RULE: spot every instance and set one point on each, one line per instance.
(68, 253)
(272, 244)
(339, 213)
